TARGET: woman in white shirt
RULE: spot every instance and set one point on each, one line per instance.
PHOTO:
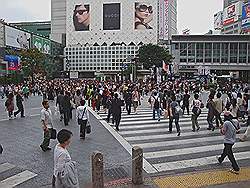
(62, 158)
(82, 116)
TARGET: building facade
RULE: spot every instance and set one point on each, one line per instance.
(220, 54)
(40, 28)
(114, 31)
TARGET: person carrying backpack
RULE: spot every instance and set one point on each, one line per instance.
(174, 114)
(156, 106)
(196, 111)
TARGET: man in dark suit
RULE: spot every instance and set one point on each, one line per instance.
(19, 103)
(66, 106)
(117, 110)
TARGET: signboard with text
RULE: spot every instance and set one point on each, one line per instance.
(42, 44)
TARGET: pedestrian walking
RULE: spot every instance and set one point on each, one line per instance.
(128, 100)
(116, 110)
(219, 106)
(65, 171)
(19, 104)
(135, 99)
(211, 112)
(46, 119)
(156, 106)
(186, 98)
(59, 103)
(196, 111)
(66, 106)
(82, 116)
(9, 104)
(174, 114)
(229, 131)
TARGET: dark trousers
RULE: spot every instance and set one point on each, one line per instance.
(20, 109)
(210, 121)
(194, 119)
(218, 120)
(83, 128)
(46, 138)
(229, 153)
(10, 113)
(176, 119)
(117, 119)
(185, 106)
(128, 107)
(109, 114)
(66, 116)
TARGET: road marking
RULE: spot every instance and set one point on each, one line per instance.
(156, 125)
(180, 142)
(196, 162)
(17, 179)
(160, 136)
(191, 150)
(146, 165)
(6, 166)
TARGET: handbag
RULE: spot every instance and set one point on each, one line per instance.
(53, 134)
(80, 121)
(88, 128)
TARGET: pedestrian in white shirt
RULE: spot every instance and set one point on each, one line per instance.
(82, 116)
(46, 119)
(65, 172)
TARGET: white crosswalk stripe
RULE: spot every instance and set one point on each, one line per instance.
(167, 152)
(16, 179)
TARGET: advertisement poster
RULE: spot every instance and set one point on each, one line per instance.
(42, 44)
(111, 16)
(166, 20)
(218, 21)
(161, 19)
(231, 13)
(17, 38)
(81, 17)
(13, 62)
(246, 16)
(144, 14)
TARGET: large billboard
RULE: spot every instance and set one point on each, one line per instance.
(17, 38)
(163, 19)
(218, 20)
(232, 13)
(81, 17)
(246, 17)
(112, 16)
(144, 14)
(13, 62)
(42, 44)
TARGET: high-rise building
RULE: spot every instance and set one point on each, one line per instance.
(101, 36)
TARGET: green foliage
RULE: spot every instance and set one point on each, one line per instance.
(32, 61)
(151, 54)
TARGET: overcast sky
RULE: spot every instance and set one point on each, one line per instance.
(197, 15)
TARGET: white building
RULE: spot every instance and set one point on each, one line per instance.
(112, 31)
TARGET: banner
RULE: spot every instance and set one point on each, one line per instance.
(111, 16)
(17, 38)
(232, 13)
(81, 17)
(246, 16)
(144, 16)
(42, 44)
(218, 20)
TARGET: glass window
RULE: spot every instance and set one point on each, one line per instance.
(183, 49)
(233, 52)
(242, 52)
(199, 52)
(224, 52)
(208, 52)
(191, 52)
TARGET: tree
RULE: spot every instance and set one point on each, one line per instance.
(151, 54)
(32, 61)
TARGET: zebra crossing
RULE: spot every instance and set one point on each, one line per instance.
(15, 179)
(167, 152)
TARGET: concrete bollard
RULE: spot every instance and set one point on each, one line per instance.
(137, 165)
(97, 170)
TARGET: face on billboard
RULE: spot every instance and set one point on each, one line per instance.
(143, 16)
(111, 16)
(81, 17)
(16, 38)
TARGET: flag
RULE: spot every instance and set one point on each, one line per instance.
(164, 66)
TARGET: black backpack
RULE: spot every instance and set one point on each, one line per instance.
(156, 103)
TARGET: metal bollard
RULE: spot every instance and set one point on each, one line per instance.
(97, 170)
(137, 165)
